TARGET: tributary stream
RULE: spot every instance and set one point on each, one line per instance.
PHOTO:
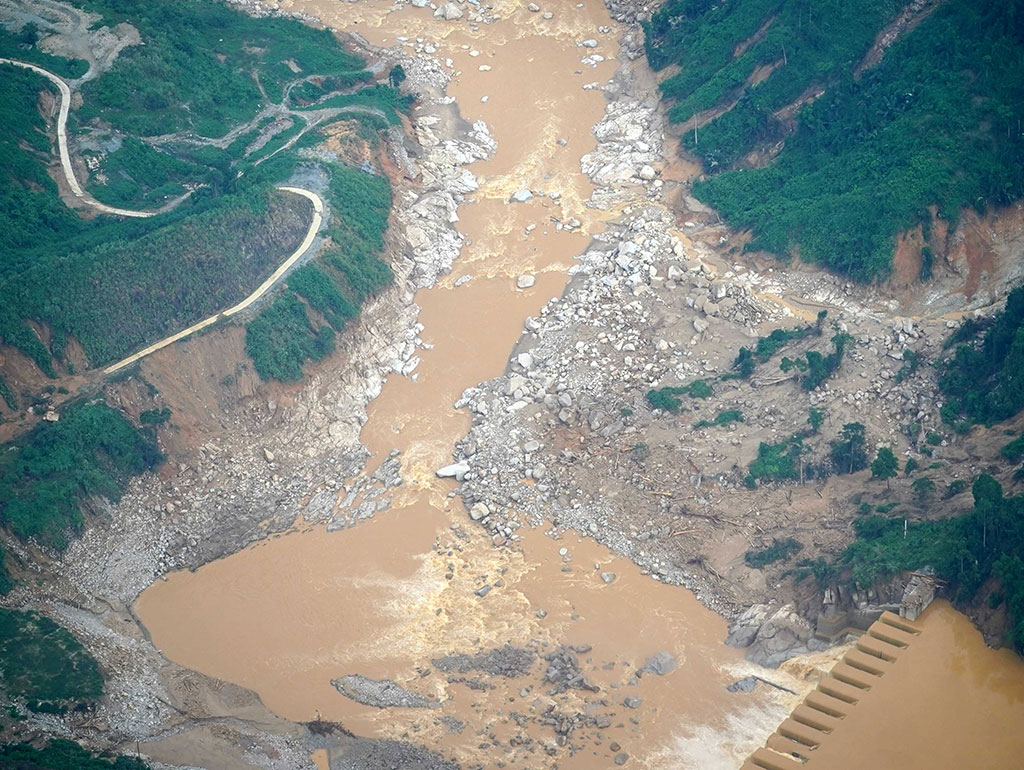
(382, 599)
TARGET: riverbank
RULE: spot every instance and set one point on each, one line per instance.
(247, 474)
(393, 596)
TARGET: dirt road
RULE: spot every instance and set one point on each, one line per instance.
(65, 155)
(314, 227)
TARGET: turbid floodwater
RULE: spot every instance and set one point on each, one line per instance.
(386, 598)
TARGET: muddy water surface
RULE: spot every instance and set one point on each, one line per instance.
(286, 616)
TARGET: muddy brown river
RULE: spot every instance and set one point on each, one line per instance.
(287, 615)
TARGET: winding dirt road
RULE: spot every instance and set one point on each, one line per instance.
(76, 188)
(314, 227)
(62, 144)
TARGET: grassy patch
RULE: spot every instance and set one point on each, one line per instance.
(43, 663)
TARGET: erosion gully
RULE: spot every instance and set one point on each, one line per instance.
(287, 615)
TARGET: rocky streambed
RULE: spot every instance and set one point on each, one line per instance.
(510, 648)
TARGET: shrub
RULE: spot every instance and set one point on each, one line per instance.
(1014, 450)
(777, 461)
(923, 488)
(779, 550)
(155, 416)
(849, 453)
(665, 398)
(724, 417)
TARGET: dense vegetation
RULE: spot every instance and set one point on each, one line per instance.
(968, 550)
(933, 124)
(116, 285)
(43, 665)
(199, 65)
(22, 47)
(138, 175)
(92, 450)
(283, 336)
(984, 382)
(779, 550)
(62, 754)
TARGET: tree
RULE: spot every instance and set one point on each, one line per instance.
(885, 465)
(849, 453)
(396, 76)
(923, 488)
(816, 418)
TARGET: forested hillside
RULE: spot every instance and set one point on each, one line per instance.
(206, 71)
(936, 122)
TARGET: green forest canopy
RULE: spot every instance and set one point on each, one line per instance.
(92, 450)
(118, 284)
(935, 123)
(984, 381)
(62, 754)
(43, 664)
(199, 65)
(966, 550)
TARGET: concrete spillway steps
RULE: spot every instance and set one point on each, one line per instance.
(792, 745)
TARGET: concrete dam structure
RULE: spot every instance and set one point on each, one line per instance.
(822, 712)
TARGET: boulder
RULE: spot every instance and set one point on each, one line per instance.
(660, 664)
(779, 638)
(525, 281)
(457, 471)
(448, 12)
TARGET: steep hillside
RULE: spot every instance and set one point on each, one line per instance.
(230, 105)
(829, 128)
